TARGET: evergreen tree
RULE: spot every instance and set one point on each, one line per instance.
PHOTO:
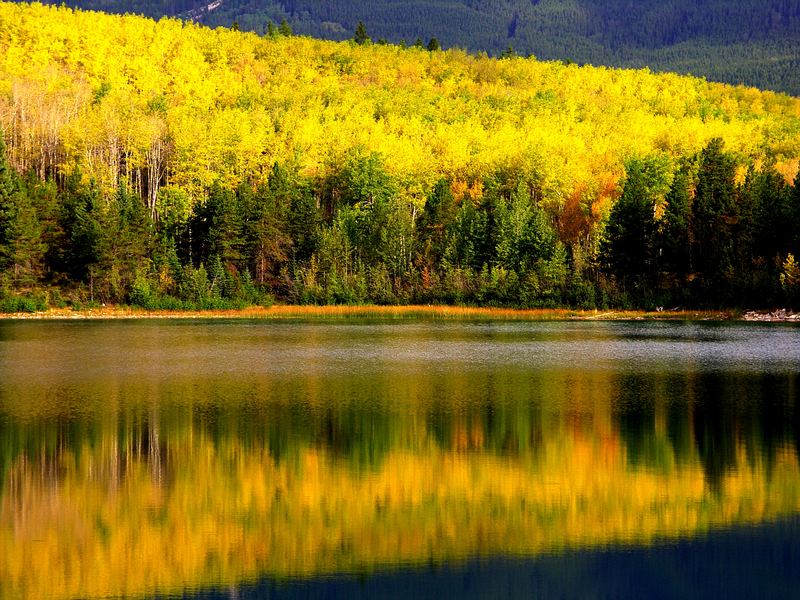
(304, 224)
(127, 243)
(218, 229)
(468, 237)
(21, 247)
(763, 232)
(630, 232)
(360, 37)
(713, 219)
(26, 248)
(674, 232)
(433, 223)
(83, 232)
(285, 29)
(434, 45)
(9, 188)
(509, 52)
(793, 208)
(523, 234)
(266, 228)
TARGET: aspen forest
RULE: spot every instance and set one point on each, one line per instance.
(163, 164)
(743, 41)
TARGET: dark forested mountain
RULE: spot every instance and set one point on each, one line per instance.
(756, 42)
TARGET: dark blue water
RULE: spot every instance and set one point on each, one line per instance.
(747, 562)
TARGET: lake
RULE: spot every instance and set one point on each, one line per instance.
(224, 459)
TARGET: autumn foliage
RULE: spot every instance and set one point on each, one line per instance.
(238, 168)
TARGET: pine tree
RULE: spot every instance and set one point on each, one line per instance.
(360, 37)
(21, 247)
(127, 242)
(27, 249)
(675, 227)
(9, 186)
(439, 212)
(793, 208)
(763, 232)
(713, 218)
(267, 240)
(630, 233)
(285, 29)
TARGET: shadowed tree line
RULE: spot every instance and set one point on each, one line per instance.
(704, 238)
(693, 234)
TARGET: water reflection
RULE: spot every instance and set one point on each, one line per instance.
(752, 562)
(143, 458)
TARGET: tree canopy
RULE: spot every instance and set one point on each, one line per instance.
(746, 41)
(242, 168)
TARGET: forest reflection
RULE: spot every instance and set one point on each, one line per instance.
(131, 488)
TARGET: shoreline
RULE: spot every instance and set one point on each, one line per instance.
(442, 312)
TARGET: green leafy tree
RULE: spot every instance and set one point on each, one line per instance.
(304, 224)
(127, 240)
(467, 239)
(218, 228)
(81, 232)
(266, 227)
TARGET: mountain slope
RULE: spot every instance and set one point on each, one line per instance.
(169, 160)
(756, 42)
(248, 101)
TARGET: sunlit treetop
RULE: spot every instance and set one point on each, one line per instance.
(174, 105)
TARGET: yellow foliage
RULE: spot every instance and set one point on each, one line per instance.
(113, 94)
(107, 519)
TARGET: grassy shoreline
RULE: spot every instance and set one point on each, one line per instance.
(442, 312)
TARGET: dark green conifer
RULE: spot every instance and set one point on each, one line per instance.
(285, 29)
(360, 37)
(629, 237)
(714, 216)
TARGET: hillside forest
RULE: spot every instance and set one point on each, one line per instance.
(743, 41)
(168, 165)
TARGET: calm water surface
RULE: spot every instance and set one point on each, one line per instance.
(224, 459)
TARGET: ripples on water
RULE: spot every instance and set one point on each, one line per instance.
(141, 458)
